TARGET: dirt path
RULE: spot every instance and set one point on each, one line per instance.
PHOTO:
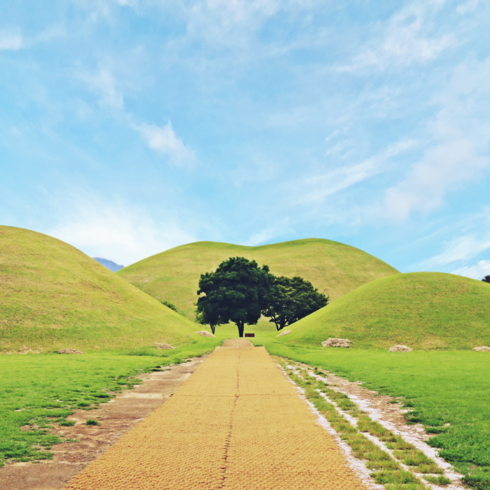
(116, 417)
(236, 423)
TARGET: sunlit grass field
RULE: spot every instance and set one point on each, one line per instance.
(447, 391)
(41, 390)
(440, 387)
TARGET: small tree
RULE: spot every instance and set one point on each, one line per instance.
(291, 299)
(486, 279)
(237, 291)
(169, 305)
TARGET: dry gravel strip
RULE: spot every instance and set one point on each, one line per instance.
(236, 423)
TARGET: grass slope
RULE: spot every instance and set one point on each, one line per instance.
(333, 268)
(53, 296)
(424, 310)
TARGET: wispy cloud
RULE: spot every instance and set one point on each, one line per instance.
(459, 152)
(462, 248)
(103, 84)
(113, 229)
(163, 140)
(314, 190)
(467, 7)
(478, 271)
(279, 229)
(406, 38)
(11, 42)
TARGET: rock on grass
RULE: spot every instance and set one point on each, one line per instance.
(346, 343)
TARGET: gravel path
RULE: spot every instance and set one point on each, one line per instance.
(236, 423)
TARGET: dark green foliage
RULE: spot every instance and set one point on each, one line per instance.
(92, 422)
(169, 305)
(292, 298)
(236, 292)
(486, 279)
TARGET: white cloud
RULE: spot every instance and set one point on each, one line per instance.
(104, 85)
(459, 151)
(404, 40)
(467, 7)
(460, 249)
(165, 141)
(316, 189)
(478, 271)
(115, 230)
(11, 42)
(226, 21)
(280, 229)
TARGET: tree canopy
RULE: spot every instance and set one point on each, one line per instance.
(291, 299)
(240, 291)
(486, 279)
(237, 291)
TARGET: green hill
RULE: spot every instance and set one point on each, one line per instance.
(53, 296)
(423, 310)
(333, 268)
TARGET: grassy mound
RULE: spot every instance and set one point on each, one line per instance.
(53, 296)
(423, 310)
(333, 268)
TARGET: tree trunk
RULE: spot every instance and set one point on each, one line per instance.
(241, 328)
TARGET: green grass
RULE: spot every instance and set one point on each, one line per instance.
(333, 268)
(424, 310)
(39, 391)
(440, 388)
(53, 296)
(386, 470)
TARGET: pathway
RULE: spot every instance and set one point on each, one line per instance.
(236, 423)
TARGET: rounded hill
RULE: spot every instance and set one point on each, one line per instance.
(54, 296)
(423, 310)
(332, 267)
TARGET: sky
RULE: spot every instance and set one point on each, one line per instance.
(128, 127)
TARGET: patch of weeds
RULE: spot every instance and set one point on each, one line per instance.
(413, 417)
(436, 430)
(365, 424)
(418, 460)
(67, 423)
(398, 480)
(441, 480)
(92, 422)
(479, 480)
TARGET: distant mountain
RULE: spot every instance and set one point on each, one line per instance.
(112, 266)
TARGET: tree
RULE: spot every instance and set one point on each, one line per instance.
(291, 299)
(486, 279)
(237, 291)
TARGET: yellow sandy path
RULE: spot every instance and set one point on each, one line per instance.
(236, 423)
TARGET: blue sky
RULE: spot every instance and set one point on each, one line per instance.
(129, 127)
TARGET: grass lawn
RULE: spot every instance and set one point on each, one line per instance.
(42, 390)
(451, 387)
